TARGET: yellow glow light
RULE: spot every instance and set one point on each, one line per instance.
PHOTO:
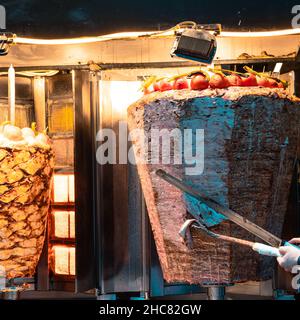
(42, 73)
(275, 33)
(61, 224)
(72, 224)
(71, 188)
(124, 93)
(121, 35)
(135, 35)
(63, 188)
(12, 94)
(64, 260)
(72, 261)
(64, 224)
(60, 188)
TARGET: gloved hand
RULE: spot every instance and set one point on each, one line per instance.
(295, 241)
(290, 257)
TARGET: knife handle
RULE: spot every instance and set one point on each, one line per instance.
(266, 250)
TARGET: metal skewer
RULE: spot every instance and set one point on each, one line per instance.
(256, 246)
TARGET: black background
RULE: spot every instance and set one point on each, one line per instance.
(66, 18)
(89, 310)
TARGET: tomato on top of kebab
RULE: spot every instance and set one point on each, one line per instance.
(200, 80)
(235, 80)
(165, 85)
(180, 82)
(195, 80)
(249, 81)
(218, 80)
(264, 80)
(153, 83)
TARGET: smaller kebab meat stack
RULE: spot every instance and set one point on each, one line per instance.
(215, 79)
(26, 168)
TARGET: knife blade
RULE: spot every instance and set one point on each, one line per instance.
(228, 213)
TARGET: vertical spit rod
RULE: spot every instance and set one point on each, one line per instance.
(216, 293)
(12, 94)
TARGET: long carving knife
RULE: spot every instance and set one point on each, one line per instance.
(228, 213)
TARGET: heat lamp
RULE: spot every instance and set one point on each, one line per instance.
(196, 42)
